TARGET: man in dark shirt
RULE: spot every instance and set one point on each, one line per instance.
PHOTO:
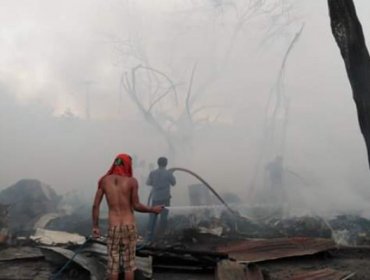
(161, 180)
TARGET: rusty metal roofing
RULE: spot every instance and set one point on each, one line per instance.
(320, 274)
(232, 270)
(256, 250)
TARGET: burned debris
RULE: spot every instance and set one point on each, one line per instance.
(28, 200)
(201, 241)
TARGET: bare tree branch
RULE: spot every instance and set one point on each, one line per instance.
(269, 126)
(187, 102)
(173, 87)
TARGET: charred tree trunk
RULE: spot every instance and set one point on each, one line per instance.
(347, 31)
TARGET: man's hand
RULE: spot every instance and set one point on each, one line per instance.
(96, 232)
(157, 209)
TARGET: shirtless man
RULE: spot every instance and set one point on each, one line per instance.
(121, 192)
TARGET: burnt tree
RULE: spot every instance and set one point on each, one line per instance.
(347, 31)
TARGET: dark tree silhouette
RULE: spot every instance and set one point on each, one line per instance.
(347, 31)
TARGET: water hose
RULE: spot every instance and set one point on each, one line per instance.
(79, 249)
(150, 237)
(207, 185)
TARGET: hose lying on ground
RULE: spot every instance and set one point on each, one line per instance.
(79, 249)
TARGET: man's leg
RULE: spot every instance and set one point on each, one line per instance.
(150, 227)
(163, 217)
(152, 224)
(113, 253)
(129, 240)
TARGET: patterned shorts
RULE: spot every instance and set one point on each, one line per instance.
(121, 248)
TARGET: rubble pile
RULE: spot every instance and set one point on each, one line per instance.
(311, 226)
(78, 220)
(231, 226)
(28, 201)
(205, 243)
(3, 223)
(351, 230)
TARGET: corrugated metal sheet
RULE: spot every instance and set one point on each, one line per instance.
(60, 256)
(257, 250)
(231, 270)
(20, 253)
(321, 274)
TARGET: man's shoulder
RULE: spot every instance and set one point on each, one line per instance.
(155, 171)
(117, 178)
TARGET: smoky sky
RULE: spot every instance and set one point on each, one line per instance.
(65, 114)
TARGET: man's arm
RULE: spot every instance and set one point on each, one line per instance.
(172, 179)
(95, 212)
(137, 205)
(149, 181)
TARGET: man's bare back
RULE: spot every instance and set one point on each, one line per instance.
(118, 193)
(122, 197)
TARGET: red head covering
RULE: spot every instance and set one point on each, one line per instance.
(121, 166)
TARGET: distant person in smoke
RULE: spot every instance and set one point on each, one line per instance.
(161, 180)
(275, 172)
(121, 192)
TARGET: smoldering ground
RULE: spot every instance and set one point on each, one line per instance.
(65, 110)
